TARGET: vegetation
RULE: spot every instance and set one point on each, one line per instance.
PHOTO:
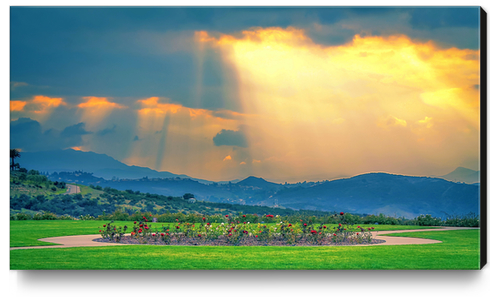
(33, 196)
(14, 153)
(458, 250)
(27, 233)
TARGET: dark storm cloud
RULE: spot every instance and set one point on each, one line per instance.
(149, 51)
(437, 17)
(28, 135)
(231, 138)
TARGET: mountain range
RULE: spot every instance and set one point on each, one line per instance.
(371, 193)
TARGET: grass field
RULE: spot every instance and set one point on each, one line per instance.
(27, 233)
(459, 250)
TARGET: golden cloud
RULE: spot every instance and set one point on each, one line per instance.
(17, 105)
(300, 92)
(99, 103)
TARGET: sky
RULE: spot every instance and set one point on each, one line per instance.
(283, 93)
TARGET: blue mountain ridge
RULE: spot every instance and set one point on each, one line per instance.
(390, 194)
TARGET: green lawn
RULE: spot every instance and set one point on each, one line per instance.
(27, 233)
(459, 250)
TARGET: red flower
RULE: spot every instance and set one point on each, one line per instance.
(162, 234)
(135, 222)
(226, 216)
(304, 224)
(244, 222)
(372, 228)
(141, 225)
(100, 230)
(341, 213)
(203, 219)
(324, 227)
(289, 225)
(177, 227)
(192, 225)
(256, 236)
(103, 226)
(140, 230)
(313, 232)
(358, 226)
(177, 220)
(150, 215)
(244, 216)
(207, 224)
(146, 227)
(229, 234)
(357, 233)
(340, 225)
(153, 234)
(199, 235)
(291, 229)
(334, 234)
(260, 231)
(144, 218)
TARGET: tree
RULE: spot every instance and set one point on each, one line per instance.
(188, 196)
(14, 153)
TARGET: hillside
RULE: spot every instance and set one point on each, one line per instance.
(385, 193)
(463, 175)
(368, 193)
(51, 196)
(100, 165)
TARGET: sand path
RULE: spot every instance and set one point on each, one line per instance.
(87, 240)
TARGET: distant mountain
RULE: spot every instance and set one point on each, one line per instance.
(371, 193)
(384, 193)
(257, 182)
(463, 175)
(367, 193)
(100, 165)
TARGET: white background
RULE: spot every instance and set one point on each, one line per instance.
(229, 283)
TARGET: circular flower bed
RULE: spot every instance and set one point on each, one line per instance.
(238, 232)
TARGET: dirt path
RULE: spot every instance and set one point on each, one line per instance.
(87, 240)
(72, 189)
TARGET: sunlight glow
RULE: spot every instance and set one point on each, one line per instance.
(326, 108)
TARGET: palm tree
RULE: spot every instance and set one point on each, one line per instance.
(14, 154)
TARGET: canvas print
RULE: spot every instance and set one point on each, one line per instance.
(246, 138)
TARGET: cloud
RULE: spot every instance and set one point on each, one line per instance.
(227, 158)
(74, 131)
(17, 105)
(28, 135)
(391, 121)
(39, 104)
(99, 102)
(15, 84)
(106, 131)
(231, 138)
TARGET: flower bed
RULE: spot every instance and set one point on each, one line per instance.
(238, 231)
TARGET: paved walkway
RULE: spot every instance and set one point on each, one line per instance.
(87, 240)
